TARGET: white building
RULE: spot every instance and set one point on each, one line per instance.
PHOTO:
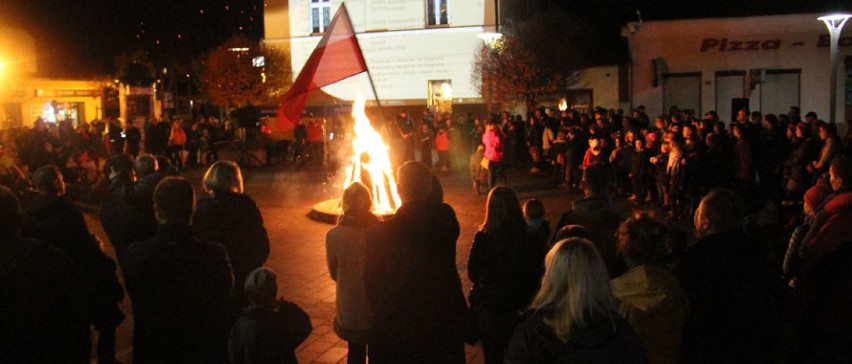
(412, 47)
(765, 63)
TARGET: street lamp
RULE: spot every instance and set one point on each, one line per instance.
(834, 23)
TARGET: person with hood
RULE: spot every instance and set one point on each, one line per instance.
(271, 329)
(54, 221)
(650, 297)
(574, 317)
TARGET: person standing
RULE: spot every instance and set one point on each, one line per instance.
(493, 140)
(54, 221)
(727, 279)
(574, 317)
(345, 250)
(44, 299)
(411, 279)
(178, 285)
(505, 266)
(126, 218)
(227, 216)
(116, 137)
(132, 136)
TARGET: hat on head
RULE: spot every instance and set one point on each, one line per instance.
(261, 286)
(817, 194)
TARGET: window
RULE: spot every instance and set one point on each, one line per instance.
(320, 15)
(436, 12)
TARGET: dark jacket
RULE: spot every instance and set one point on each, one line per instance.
(44, 307)
(269, 336)
(144, 187)
(727, 279)
(413, 285)
(179, 288)
(602, 342)
(125, 217)
(56, 222)
(505, 271)
(233, 220)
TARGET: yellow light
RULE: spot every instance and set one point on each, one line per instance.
(263, 77)
(370, 159)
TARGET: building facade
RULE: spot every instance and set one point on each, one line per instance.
(763, 63)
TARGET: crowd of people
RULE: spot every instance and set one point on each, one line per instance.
(604, 286)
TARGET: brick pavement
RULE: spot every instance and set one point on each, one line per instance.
(298, 246)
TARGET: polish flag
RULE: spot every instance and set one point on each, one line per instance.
(336, 57)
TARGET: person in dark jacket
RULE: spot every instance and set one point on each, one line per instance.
(149, 175)
(727, 279)
(411, 278)
(178, 285)
(271, 329)
(574, 317)
(227, 216)
(125, 217)
(44, 299)
(506, 263)
(52, 220)
(133, 136)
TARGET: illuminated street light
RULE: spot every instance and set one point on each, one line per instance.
(834, 23)
(239, 49)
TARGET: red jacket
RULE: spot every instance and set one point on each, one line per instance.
(834, 231)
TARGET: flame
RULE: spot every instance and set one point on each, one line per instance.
(370, 163)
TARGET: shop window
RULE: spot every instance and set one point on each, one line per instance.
(436, 13)
(682, 91)
(320, 15)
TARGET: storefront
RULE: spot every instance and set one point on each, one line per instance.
(51, 100)
(765, 63)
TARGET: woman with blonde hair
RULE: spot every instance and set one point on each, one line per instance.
(574, 318)
(505, 266)
(345, 251)
(226, 216)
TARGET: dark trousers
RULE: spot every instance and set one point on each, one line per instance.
(496, 329)
(357, 353)
(496, 171)
(422, 349)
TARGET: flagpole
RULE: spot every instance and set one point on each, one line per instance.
(369, 75)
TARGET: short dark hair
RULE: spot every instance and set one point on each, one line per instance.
(10, 213)
(415, 181)
(534, 209)
(146, 164)
(44, 178)
(120, 163)
(724, 209)
(597, 178)
(642, 240)
(174, 200)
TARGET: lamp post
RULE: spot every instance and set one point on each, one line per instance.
(834, 23)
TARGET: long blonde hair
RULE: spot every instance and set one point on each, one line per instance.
(575, 287)
(503, 214)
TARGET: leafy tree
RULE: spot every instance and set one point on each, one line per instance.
(537, 56)
(229, 78)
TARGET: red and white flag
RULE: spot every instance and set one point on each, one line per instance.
(336, 57)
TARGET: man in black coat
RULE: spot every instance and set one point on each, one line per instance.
(178, 286)
(53, 221)
(727, 278)
(44, 306)
(125, 217)
(411, 279)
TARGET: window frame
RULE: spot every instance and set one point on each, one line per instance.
(446, 4)
(320, 6)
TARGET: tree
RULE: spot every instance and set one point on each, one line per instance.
(230, 78)
(536, 56)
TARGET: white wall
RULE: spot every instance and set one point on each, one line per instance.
(604, 83)
(710, 45)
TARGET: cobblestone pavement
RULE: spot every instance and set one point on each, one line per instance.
(297, 253)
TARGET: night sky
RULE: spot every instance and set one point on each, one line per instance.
(81, 38)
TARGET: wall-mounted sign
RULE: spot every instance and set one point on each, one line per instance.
(732, 45)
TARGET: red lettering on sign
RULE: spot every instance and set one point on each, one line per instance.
(708, 43)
